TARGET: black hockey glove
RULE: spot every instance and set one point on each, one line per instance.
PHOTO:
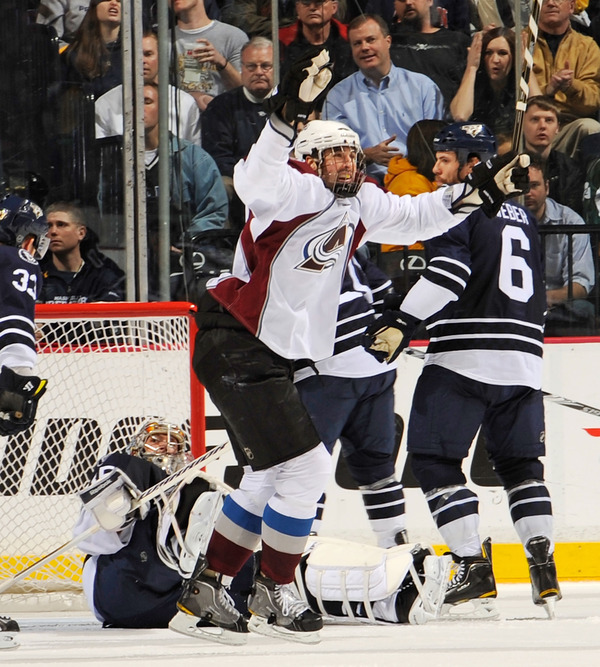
(19, 396)
(389, 335)
(491, 183)
(304, 86)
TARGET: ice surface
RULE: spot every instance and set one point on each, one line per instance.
(522, 638)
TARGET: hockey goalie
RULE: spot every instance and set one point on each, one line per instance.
(136, 565)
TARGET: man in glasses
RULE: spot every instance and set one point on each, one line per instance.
(234, 119)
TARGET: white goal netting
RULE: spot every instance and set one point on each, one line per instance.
(109, 367)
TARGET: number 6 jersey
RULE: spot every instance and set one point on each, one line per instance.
(483, 299)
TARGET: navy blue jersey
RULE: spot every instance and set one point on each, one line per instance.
(483, 298)
(132, 587)
(21, 280)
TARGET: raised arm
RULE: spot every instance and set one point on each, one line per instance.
(463, 103)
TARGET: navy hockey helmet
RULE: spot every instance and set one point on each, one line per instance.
(466, 139)
(161, 443)
(21, 218)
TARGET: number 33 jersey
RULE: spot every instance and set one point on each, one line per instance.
(483, 299)
(20, 283)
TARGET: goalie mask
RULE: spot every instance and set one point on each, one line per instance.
(466, 140)
(333, 149)
(20, 219)
(163, 444)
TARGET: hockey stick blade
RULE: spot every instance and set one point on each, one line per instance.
(186, 473)
(554, 398)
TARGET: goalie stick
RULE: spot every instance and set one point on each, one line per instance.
(523, 92)
(554, 398)
(186, 473)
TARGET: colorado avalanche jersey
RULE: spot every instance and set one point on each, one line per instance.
(361, 300)
(483, 299)
(21, 280)
(292, 253)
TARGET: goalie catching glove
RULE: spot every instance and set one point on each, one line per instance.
(304, 86)
(110, 499)
(491, 183)
(19, 396)
(389, 335)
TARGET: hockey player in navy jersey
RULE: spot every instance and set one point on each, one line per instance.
(135, 567)
(23, 241)
(279, 304)
(482, 298)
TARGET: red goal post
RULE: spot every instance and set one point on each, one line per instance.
(109, 367)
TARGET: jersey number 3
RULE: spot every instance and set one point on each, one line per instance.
(516, 277)
(25, 282)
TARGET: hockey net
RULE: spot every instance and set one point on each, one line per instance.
(109, 367)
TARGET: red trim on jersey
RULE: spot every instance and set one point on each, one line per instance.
(246, 300)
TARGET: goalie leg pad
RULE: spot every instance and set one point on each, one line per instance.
(339, 570)
(186, 519)
(201, 523)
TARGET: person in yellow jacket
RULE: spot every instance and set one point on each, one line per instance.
(566, 64)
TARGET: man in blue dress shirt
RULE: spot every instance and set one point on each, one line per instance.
(380, 102)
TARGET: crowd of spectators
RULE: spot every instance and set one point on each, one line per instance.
(396, 63)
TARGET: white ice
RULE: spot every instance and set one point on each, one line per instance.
(522, 638)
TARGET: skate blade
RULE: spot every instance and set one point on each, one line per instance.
(549, 605)
(479, 609)
(261, 626)
(7, 640)
(186, 625)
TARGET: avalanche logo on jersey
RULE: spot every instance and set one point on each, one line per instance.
(322, 252)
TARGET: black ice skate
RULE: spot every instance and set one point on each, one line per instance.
(207, 611)
(542, 572)
(8, 629)
(472, 580)
(278, 611)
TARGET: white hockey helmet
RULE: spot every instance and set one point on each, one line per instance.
(161, 443)
(321, 135)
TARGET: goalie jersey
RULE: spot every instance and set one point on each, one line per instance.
(483, 299)
(21, 280)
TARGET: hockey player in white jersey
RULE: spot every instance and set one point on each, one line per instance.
(350, 397)
(279, 304)
(482, 298)
(23, 241)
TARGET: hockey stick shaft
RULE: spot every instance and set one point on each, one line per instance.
(523, 92)
(554, 398)
(186, 473)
